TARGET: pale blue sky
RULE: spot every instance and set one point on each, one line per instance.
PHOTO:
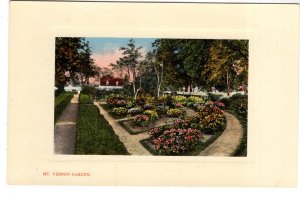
(109, 45)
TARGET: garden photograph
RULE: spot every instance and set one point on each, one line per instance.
(151, 96)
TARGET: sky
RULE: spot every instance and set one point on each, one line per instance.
(106, 50)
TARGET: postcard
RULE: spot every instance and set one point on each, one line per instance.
(153, 94)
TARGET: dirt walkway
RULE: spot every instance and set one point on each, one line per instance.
(229, 141)
(189, 112)
(65, 129)
(131, 142)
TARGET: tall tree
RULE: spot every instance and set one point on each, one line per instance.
(227, 67)
(72, 58)
(129, 61)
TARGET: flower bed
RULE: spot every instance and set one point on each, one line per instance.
(211, 118)
(141, 120)
(178, 137)
(176, 113)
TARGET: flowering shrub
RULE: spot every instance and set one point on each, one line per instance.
(120, 110)
(152, 114)
(162, 100)
(150, 100)
(162, 110)
(240, 106)
(211, 118)
(175, 138)
(141, 120)
(130, 104)
(176, 113)
(116, 100)
(148, 106)
(180, 99)
(140, 100)
(134, 111)
(193, 100)
(219, 104)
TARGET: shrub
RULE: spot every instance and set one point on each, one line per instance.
(162, 110)
(88, 90)
(135, 111)
(148, 106)
(238, 96)
(120, 110)
(176, 113)
(116, 100)
(61, 103)
(85, 99)
(175, 138)
(162, 100)
(130, 104)
(226, 102)
(193, 100)
(140, 100)
(141, 120)
(152, 114)
(211, 118)
(180, 99)
(214, 97)
(240, 106)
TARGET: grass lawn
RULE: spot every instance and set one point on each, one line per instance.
(85, 99)
(94, 134)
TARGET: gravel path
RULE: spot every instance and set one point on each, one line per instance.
(229, 141)
(189, 112)
(131, 142)
(65, 129)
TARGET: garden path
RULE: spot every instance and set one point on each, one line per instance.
(189, 112)
(229, 141)
(65, 129)
(131, 142)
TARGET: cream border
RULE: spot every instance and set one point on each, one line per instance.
(273, 33)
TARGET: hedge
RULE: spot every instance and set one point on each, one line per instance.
(95, 135)
(85, 99)
(61, 102)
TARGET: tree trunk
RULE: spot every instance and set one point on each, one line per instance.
(140, 82)
(228, 88)
(133, 82)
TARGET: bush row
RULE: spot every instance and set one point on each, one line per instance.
(85, 99)
(61, 102)
(95, 135)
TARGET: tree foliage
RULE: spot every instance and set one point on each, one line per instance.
(73, 61)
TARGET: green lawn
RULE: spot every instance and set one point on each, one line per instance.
(95, 135)
(85, 99)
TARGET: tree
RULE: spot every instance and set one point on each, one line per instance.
(129, 61)
(73, 58)
(227, 66)
(67, 59)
